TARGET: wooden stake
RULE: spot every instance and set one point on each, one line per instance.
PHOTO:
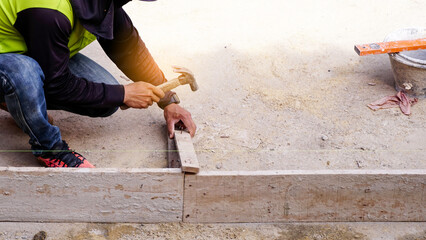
(173, 159)
(186, 152)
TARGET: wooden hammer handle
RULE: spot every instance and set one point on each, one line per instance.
(169, 85)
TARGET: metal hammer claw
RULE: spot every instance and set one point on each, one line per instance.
(186, 77)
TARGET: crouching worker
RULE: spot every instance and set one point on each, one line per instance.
(40, 69)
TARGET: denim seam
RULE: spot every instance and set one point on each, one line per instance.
(20, 115)
(4, 79)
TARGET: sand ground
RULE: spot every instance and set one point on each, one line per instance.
(280, 88)
(176, 231)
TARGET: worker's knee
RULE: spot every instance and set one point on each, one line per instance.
(108, 112)
(19, 72)
(97, 112)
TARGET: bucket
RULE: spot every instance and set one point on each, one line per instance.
(409, 67)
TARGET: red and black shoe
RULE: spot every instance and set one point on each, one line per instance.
(62, 156)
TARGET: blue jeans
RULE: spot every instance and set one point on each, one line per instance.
(21, 87)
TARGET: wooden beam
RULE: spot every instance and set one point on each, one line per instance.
(91, 195)
(185, 147)
(327, 195)
(158, 195)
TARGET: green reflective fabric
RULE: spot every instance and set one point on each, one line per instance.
(11, 40)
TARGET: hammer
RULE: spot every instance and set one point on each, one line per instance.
(186, 77)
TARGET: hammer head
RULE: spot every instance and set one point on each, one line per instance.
(187, 77)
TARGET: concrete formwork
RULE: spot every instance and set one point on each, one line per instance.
(166, 195)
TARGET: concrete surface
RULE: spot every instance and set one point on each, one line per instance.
(280, 88)
(307, 231)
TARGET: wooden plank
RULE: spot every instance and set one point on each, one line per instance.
(390, 47)
(156, 195)
(173, 159)
(91, 195)
(186, 150)
(327, 195)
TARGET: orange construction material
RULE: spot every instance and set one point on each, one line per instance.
(390, 47)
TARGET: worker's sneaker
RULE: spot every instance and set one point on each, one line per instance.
(62, 156)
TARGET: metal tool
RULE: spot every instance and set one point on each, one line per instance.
(186, 77)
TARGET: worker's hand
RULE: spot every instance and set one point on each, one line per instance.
(174, 113)
(141, 94)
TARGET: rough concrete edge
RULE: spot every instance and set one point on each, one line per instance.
(224, 173)
(91, 170)
(315, 172)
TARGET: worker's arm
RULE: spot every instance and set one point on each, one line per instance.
(129, 53)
